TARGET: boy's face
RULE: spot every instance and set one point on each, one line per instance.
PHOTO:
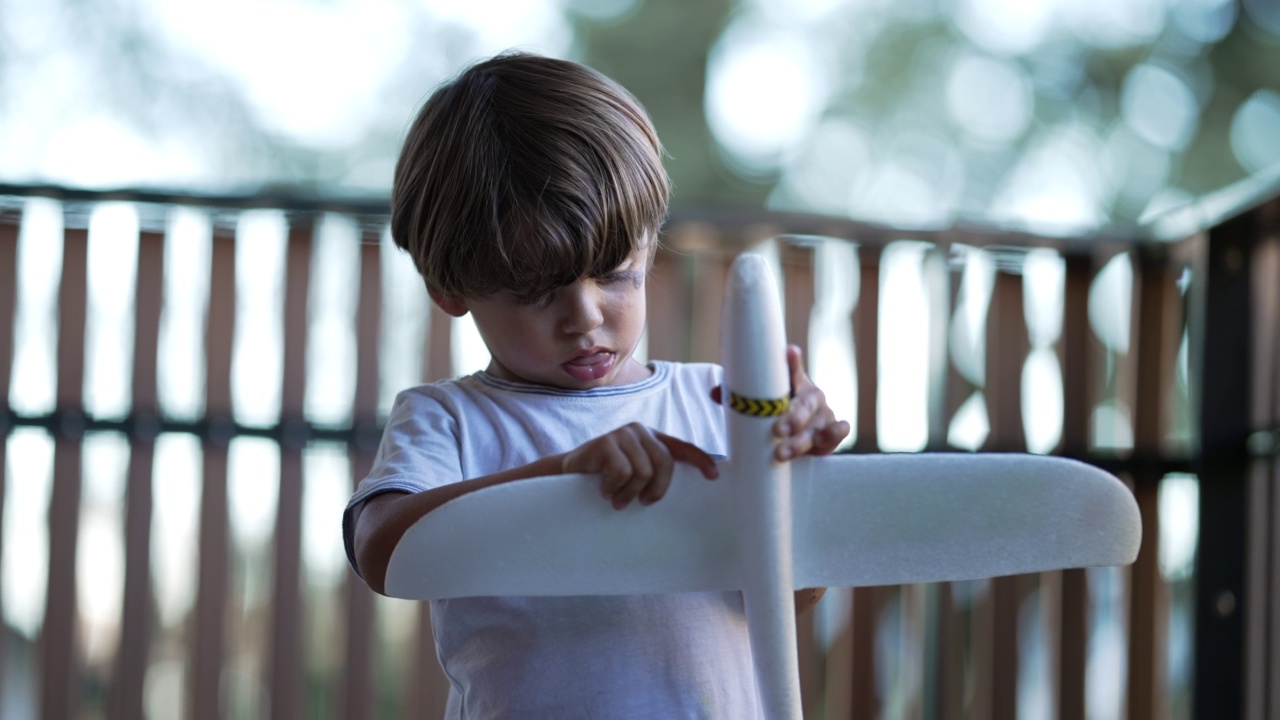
(580, 336)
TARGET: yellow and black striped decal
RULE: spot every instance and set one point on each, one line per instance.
(758, 408)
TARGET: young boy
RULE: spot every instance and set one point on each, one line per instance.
(530, 193)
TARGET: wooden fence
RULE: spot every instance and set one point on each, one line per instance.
(1157, 360)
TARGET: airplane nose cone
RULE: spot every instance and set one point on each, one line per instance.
(753, 341)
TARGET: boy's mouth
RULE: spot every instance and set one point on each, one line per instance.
(592, 366)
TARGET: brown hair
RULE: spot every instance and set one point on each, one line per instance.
(524, 174)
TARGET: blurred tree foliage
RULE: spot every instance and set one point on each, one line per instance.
(659, 53)
(888, 65)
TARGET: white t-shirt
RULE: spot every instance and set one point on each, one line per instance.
(680, 655)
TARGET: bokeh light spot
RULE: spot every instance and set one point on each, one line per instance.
(991, 99)
(1205, 21)
(970, 426)
(1134, 167)
(917, 182)
(764, 93)
(1110, 302)
(1255, 131)
(824, 173)
(1159, 106)
(1057, 185)
(1115, 24)
(1009, 27)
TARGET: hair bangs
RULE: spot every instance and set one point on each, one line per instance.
(526, 174)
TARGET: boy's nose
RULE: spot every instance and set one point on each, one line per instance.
(582, 312)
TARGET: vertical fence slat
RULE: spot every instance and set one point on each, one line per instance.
(287, 611)
(1158, 337)
(948, 699)
(866, 338)
(60, 691)
(868, 605)
(944, 674)
(1075, 351)
(1007, 348)
(358, 696)
(137, 612)
(867, 602)
(937, 621)
(1071, 601)
(210, 645)
(10, 221)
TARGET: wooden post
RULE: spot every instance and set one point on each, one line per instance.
(1224, 373)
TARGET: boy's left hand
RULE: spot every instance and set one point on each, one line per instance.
(809, 425)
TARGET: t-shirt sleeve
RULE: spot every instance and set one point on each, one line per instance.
(418, 451)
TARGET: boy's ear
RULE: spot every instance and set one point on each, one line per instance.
(451, 305)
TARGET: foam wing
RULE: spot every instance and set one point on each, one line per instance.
(557, 536)
(858, 520)
(893, 519)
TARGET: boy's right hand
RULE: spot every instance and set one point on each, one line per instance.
(636, 462)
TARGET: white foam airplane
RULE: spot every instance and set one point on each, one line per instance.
(767, 528)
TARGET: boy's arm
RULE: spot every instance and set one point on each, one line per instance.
(634, 462)
(382, 520)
